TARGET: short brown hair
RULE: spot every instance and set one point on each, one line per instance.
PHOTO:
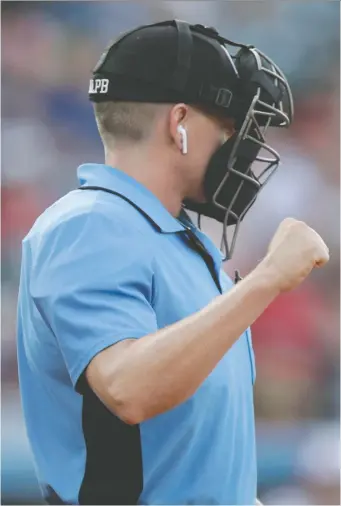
(129, 121)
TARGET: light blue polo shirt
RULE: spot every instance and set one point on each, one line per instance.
(98, 268)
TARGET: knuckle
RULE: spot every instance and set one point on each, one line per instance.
(301, 225)
(286, 222)
(290, 222)
(298, 226)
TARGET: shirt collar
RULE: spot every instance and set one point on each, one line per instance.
(92, 174)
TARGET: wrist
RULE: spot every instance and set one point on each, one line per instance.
(269, 275)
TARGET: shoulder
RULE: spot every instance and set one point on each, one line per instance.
(86, 208)
(88, 232)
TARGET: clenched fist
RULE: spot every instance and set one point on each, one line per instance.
(293, 252)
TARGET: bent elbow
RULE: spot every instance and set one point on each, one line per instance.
(128, 411)
(129, 415)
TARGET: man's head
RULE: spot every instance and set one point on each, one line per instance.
(173, 86)
(170, 128)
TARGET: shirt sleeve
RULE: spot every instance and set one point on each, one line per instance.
(93, 285)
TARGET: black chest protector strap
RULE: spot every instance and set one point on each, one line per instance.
(192, 239)
(195, 243)
(100, 188)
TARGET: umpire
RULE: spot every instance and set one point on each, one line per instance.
(135, 358)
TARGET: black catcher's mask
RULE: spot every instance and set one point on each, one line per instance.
(174, 61)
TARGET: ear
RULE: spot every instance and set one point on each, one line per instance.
(178, 116)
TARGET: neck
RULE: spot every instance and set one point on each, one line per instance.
(147, 166)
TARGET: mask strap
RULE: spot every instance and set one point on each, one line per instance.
(185, 44)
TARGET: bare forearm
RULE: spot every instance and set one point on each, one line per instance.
(163, 369)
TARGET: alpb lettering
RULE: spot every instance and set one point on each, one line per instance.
(99, 85)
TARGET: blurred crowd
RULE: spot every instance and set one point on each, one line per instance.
(48, 51)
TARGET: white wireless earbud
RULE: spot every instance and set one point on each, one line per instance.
(183, 133)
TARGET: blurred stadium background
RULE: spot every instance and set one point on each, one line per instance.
(48, 50)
